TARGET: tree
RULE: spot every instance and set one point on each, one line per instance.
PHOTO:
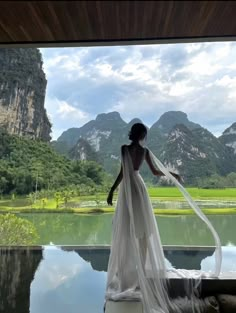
(94, 171)
(16, 231)
(213, 181)
(3, 185)
(66, 195)
(58, 198)
(28, 166)
(231, 180)
(37, 174)
(31, 198)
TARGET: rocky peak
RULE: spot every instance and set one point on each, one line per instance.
(22, 93)
(185, 142)
(111, 116)
(171, 118)
(83, 151)
(228, 137)
(95, 131)
(178, 131)
(230, 130)
(134, 121)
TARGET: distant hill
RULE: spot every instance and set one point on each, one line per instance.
(26, 162)
(181, 144)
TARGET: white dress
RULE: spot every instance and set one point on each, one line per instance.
(137, 268)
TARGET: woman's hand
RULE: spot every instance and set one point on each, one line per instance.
(110, 197)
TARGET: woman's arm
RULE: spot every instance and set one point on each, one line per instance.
(154, 170)
(151, 166)
(116, 183)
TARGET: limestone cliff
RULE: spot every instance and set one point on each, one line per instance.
(22, 93)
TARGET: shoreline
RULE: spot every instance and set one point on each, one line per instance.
(173, 212)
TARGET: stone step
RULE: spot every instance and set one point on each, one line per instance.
(123, 307)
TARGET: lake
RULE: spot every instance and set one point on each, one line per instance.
(73, 279)
(77, 229)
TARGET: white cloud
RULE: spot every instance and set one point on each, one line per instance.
(226, 81)
(141, 70)
(63, 110)
(105, 69)
(193, 47)
(64, 62)
(142, 81)
(62, 114)
(181, 88)
(67, 111)
(55, 61)
(222, 51)
(202, 64)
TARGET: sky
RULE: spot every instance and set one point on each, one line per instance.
(142, 81)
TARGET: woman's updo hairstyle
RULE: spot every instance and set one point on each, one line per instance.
(138, 132)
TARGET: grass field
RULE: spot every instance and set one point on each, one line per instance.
(196, 193)
(97, 203)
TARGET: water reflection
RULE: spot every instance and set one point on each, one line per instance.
(70, 281)
(228, 260)
(17, 269)
(64, 282)
(189, 258)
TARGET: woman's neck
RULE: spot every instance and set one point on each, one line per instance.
(135, 143)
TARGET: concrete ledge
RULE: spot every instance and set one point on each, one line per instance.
(123, 307)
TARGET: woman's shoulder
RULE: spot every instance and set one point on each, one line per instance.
(140, 148)
(123, 147)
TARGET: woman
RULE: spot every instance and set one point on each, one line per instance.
(138, 153)
(137, 268)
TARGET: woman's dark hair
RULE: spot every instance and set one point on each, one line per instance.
(138, 131)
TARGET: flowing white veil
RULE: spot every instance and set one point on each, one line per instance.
(197, 210)
(139, 262)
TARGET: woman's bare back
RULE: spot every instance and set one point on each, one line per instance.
(137, 154)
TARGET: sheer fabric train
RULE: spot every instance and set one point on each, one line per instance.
(137, 268)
